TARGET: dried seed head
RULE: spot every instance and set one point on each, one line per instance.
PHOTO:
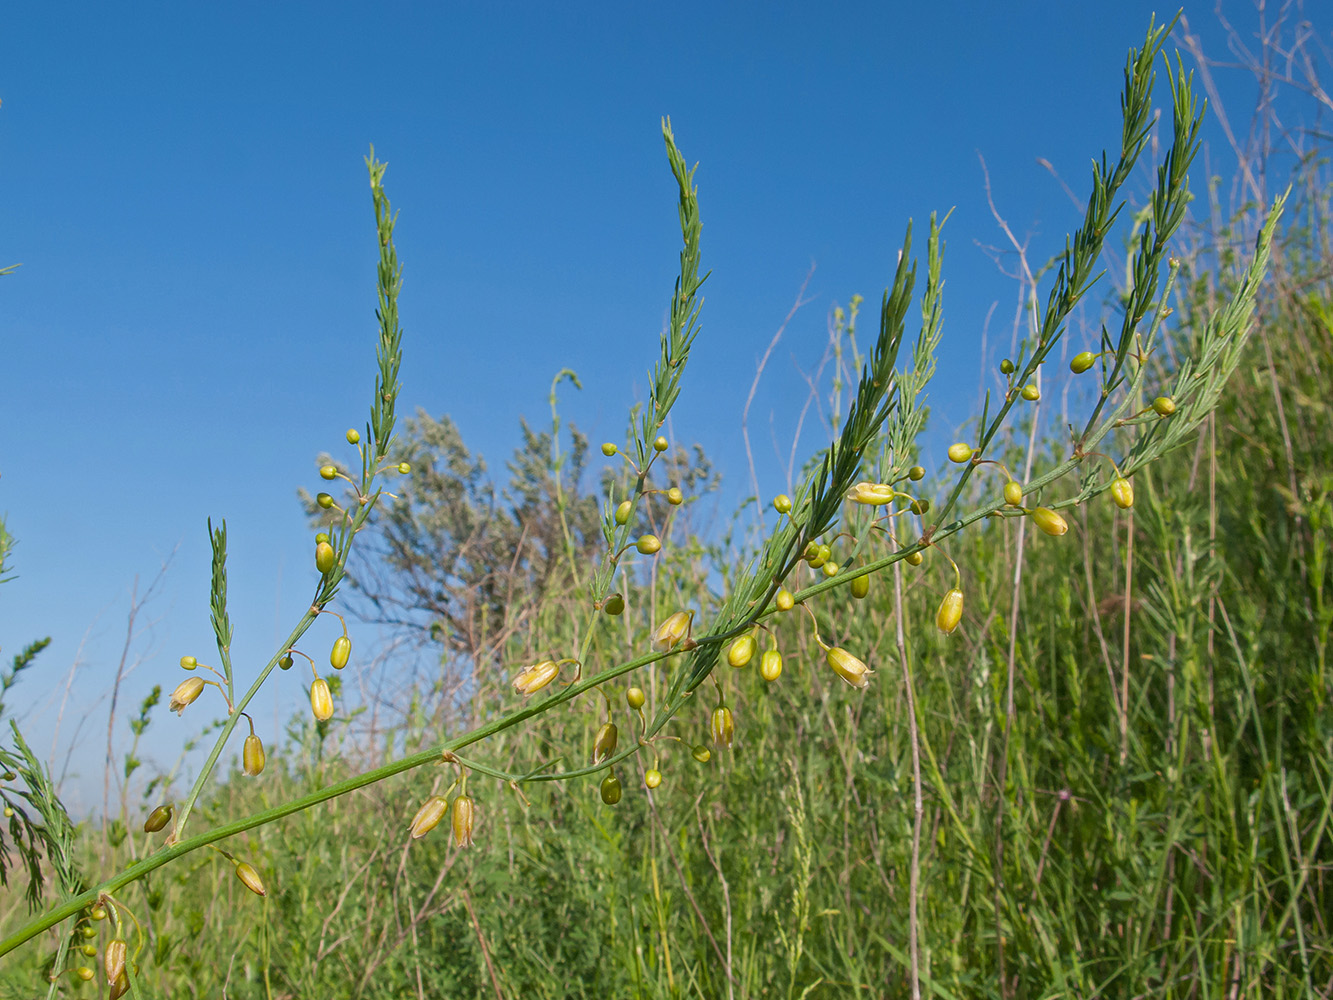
(321, 700)
(247, 874)
(770, 665)
(782, 503)
(1122, 492)
(951, 612)
(742, 651)
(157, 819)
(464, 813)
(784, 600)
(185, 694)
(871, 494)
(1013, 493)
(1164, 406)
(610, 789)
(252, 755)
(113, 959)
(723, 727)
(532, 679)
(848, 667)
(428, 816)
(673, 630)
(1049, 521)
(960, 452)
(604, 745)
(648, 544)
(341, 652)
(1082, 362)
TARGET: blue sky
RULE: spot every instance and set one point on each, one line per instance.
(193, 321)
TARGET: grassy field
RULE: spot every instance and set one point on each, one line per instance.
(1125, 751)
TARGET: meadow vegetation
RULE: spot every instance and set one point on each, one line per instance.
(1113, 776)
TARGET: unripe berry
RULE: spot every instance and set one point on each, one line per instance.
(916, 473)
(188, 663)
(661, 444)
(635, 698)
(610, 789)
(951, 612)
(328, 472)
(770, 665)
(675, 497)
(157, 819)
(782, 503)
(1006, 367)
(1122, 492)
(324, 500)
(784, 600)
(1049, 521)
(322, 536)
(701, 753)
(648, 544)
(404, 469)
(919, 507)
(861, 587)
(341, 652)
(1082, 362)
(353, 435)
(1013, 493)
(652, 777)
(84, 973)
(742, 651)
(916, 558)
(614, 605)
(831, 569)
(98, 913)
(608, 449)
(1031, 393)
(960, 452)
(286, 662)
(623, 511)
(1164, 406)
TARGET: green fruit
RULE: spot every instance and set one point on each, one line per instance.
(611, 789)
(286, 662)
(1013, 493)
(635, 698)
(1082, 362)
(701, 753)
(353, 435)
(614, 605)
(1164, 406)
(916, 473)
(1006, 367)
(861, 587)
(328, 472)
(652, 777)
(770, 665)
(742, 651)
(404, 469)
(188, 663)
(608, 449)
(675, 497)
(648, 544)
(661, 444)
(324, 500)
(782, 503)
(323, 536)
(960, 452)
(1031, 393)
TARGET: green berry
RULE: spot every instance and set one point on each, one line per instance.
(1082, 362)
(608, 449)
(782, 503)
(188, 663)
(353, 435)
(916, 473)
(324, 500)
(286, 662)
(652, 777)
(323, 536)
(325, 557)
(1164, 406)
(1006, 367)
(648, 544)
(1031, 393)
(614, 605)
(328, 472)
(701, 753)
(960, 452)
(661, 444)
(404, 469)
(635, 698)
(610, 789)
(861, 587)
(675, 497)
(1013, 493)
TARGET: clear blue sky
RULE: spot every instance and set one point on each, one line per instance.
(193, 322)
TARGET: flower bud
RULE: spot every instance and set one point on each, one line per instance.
(1013, 493)
(722, 727)
(113, 959)
(1082, 362)
(157, 819)
(353, 435)
(325, 557)
(861, 587)
(1049, 521)
(960, 452)
(604, 745)
(742, 651)
(321, 700)
(532, 679)
(673, 630)
(610, 789)
(951, 612)
(784, 600)
(341, 652)
(782, 503)
(871, 494)
(462, 819)
(1031, 393)
(1164, 406)
(1122, 492)
(848, 667)
(252, 755)
(635, 698)
(247, 874)
(623, 511)
(770, 665)
(328, 472)
(325, 500)
(185, 694)
(188, 663)
(428, 816)
(614, 605)
(648, 544)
